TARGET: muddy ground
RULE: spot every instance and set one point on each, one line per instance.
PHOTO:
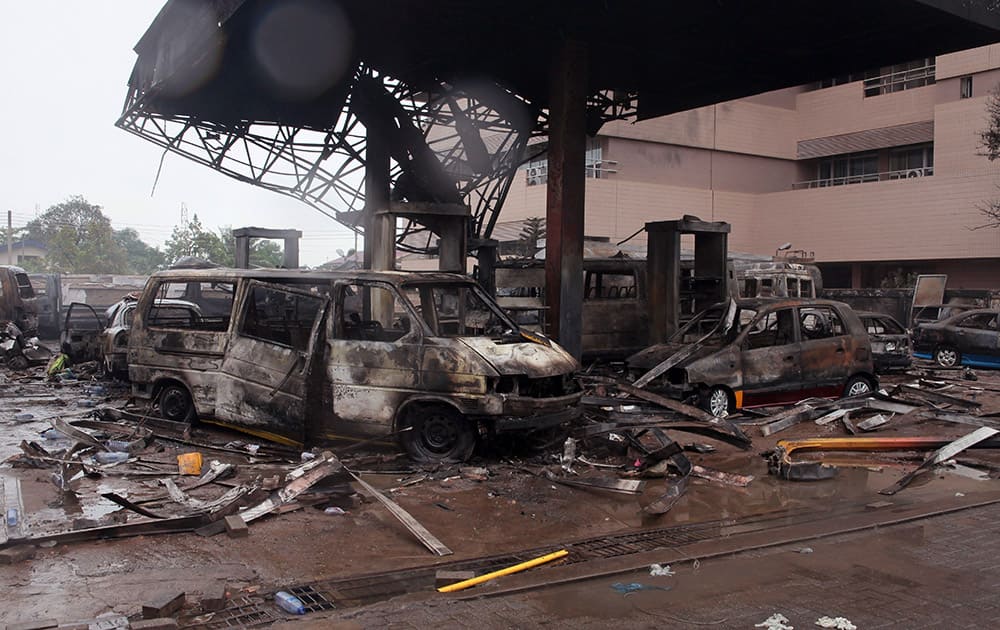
(510, 510)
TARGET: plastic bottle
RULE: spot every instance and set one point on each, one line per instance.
(568, 454)
(289, 603)
(120, 446)
(110, 457)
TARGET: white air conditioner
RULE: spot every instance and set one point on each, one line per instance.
(915, 172)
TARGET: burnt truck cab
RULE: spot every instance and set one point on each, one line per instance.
(18, 303)
(758, 352)
(303, 357)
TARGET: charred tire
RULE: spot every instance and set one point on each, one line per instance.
(19, 362)
(946, 356)
(718, 402)
(857, 385)
(175, 403)
(438, 433)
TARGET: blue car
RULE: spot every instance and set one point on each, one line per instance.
(970, 338)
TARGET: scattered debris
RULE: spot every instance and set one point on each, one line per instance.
(635, 587)
(777, 621)
(660, 570)
(839, 623)
(875, 422)
(418, 530)
(163, 605)
(945, 453)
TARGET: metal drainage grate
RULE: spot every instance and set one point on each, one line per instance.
(312, 599)
(243, 613)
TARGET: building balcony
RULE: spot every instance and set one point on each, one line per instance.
(909, 173)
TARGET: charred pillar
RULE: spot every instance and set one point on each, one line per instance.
(663, 280)
(380, 225)
(486, 256)
(564, 203)
(242, 236)
(672, 293)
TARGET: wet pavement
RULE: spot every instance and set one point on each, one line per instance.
(508, 512)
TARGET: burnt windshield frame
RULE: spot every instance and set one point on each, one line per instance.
(491, 304)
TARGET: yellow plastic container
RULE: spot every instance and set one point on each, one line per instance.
(189, 463)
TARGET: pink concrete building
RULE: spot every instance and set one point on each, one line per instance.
(876, 173)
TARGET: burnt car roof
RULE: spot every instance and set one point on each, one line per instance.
(779, 302)
(975, 311)
(874, 314)
(299, 275)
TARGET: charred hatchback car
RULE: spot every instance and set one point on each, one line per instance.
(890, 341)
(969, 338)
(89, 336)
(758, 352)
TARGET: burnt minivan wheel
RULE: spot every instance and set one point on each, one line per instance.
(858, 385)
(438, 434)
(718, 402)
(175, 403)
(947, 357)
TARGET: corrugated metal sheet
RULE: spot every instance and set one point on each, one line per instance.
(868, 140)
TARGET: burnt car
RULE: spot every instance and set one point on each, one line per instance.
(970, 338)
(89, 336)
(758, 352)
(890, 341)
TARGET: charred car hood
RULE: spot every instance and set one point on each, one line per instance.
(654, 355)
(532, 359)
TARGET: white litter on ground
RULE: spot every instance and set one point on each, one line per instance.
(839, 623)
(657, 570)
(777, 621)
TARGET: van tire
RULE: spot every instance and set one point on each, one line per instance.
(175, 403)
(437, 433)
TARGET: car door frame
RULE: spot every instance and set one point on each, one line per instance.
(265, 387)
(95, 351)
(830, 374)
(367, 381)
(760, 387)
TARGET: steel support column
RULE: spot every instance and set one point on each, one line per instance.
(380, 227)
(564, 204)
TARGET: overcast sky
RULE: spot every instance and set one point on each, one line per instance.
(64, 66)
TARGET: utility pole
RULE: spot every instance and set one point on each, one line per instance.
(10, 237)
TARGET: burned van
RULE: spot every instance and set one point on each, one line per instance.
(302, 357)
(18, 303)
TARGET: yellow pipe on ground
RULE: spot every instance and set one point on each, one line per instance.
(464, 584)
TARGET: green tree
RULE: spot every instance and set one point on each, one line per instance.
(140, 257)
(79, 238)
(193, 239)
(219, 247)
(265, 253)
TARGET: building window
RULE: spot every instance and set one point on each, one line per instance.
(902, 76)
(965, 87)
(853, 168)
(913, 161)
(537, 168)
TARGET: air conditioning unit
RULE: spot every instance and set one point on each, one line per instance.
(915, 172)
